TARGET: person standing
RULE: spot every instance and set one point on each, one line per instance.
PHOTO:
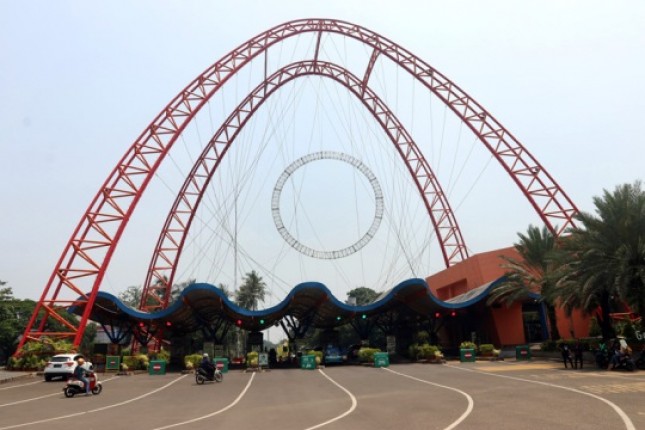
(566, 354)
(578, 349)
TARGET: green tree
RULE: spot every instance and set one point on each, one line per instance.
(606, 257)
(363, 295)
(533, 272)
(131, 296)
(251, 292)
(14, 315)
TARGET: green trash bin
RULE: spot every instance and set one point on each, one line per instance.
(308, 362)
(157, 367)
(221, 363)
(113, 362)
(522, 352)
(467, 355)
(381, 359)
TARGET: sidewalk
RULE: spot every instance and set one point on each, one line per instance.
(8, 376)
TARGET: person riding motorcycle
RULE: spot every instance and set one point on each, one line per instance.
(208, 366)
(80, 373)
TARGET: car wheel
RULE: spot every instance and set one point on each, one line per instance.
(48, 378)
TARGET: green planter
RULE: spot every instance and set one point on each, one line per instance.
(522, 352)
(381, 359)
(467, 355)
(157, 367)
(308, 362)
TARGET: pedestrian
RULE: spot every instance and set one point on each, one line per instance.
(578, 349)
(566, 354)
(80, 374)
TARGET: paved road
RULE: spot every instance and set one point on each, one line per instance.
(500, 395)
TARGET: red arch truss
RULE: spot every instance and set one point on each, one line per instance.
(83, 262)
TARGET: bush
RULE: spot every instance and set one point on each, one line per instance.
(468, 345)
(317, 354)
(161, 355)
(252, 359)
(486, 349)
(366, 355)
(136, 362)
(192, 361)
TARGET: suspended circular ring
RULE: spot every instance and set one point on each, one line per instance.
(327, 155)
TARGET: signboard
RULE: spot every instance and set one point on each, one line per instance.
(391, 344)
(263, 359)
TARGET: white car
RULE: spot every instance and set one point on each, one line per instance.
(63, 365)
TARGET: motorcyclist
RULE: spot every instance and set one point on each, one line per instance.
(80, 373)
(208, 366)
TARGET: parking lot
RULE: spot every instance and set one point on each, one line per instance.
(501, 395)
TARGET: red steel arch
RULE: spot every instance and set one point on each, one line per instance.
(161, 272)
(82, 264)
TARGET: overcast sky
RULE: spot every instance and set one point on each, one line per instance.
(80, 80)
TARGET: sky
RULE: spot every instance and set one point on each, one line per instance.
(79, 81)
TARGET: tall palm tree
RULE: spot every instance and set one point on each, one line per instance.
(534, 272)
(251, 292)
(606, 256)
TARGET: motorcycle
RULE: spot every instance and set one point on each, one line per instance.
(624, 362)
(202, 375)
(602, 359)
(75, 386)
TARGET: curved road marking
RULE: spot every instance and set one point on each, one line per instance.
(40, 397)
(347, 412)
(463, 416)
(114, 405)
(629, 425)
(212, 414)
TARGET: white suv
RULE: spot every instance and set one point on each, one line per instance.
(63, 365)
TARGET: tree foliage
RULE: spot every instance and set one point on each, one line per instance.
(363, 295)
(251, 292)
(533, 272)
(605, 257)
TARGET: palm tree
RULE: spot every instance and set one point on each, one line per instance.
(606, 256)
(251, 292)
(534, 272)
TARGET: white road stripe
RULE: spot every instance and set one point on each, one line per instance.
(224, 409)
(40, 397)
(21, 385)
(344, 414)
(629, 425)
(463, 416)
(93, 410)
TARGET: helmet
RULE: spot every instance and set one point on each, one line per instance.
(205, 355)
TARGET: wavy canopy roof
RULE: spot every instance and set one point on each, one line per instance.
(202, 304)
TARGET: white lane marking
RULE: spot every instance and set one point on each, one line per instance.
(463, 416)
(344, 414)
(212, 414)
(22, 385)
(17, 402)
(629, 425)
(114, 405)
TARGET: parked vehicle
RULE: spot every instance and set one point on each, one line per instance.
(640, 360)
(75, 386)
(201, 376)
(63, 365)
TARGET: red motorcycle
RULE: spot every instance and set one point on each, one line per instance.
(75, 386)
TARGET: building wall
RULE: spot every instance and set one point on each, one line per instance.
(508, 322)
